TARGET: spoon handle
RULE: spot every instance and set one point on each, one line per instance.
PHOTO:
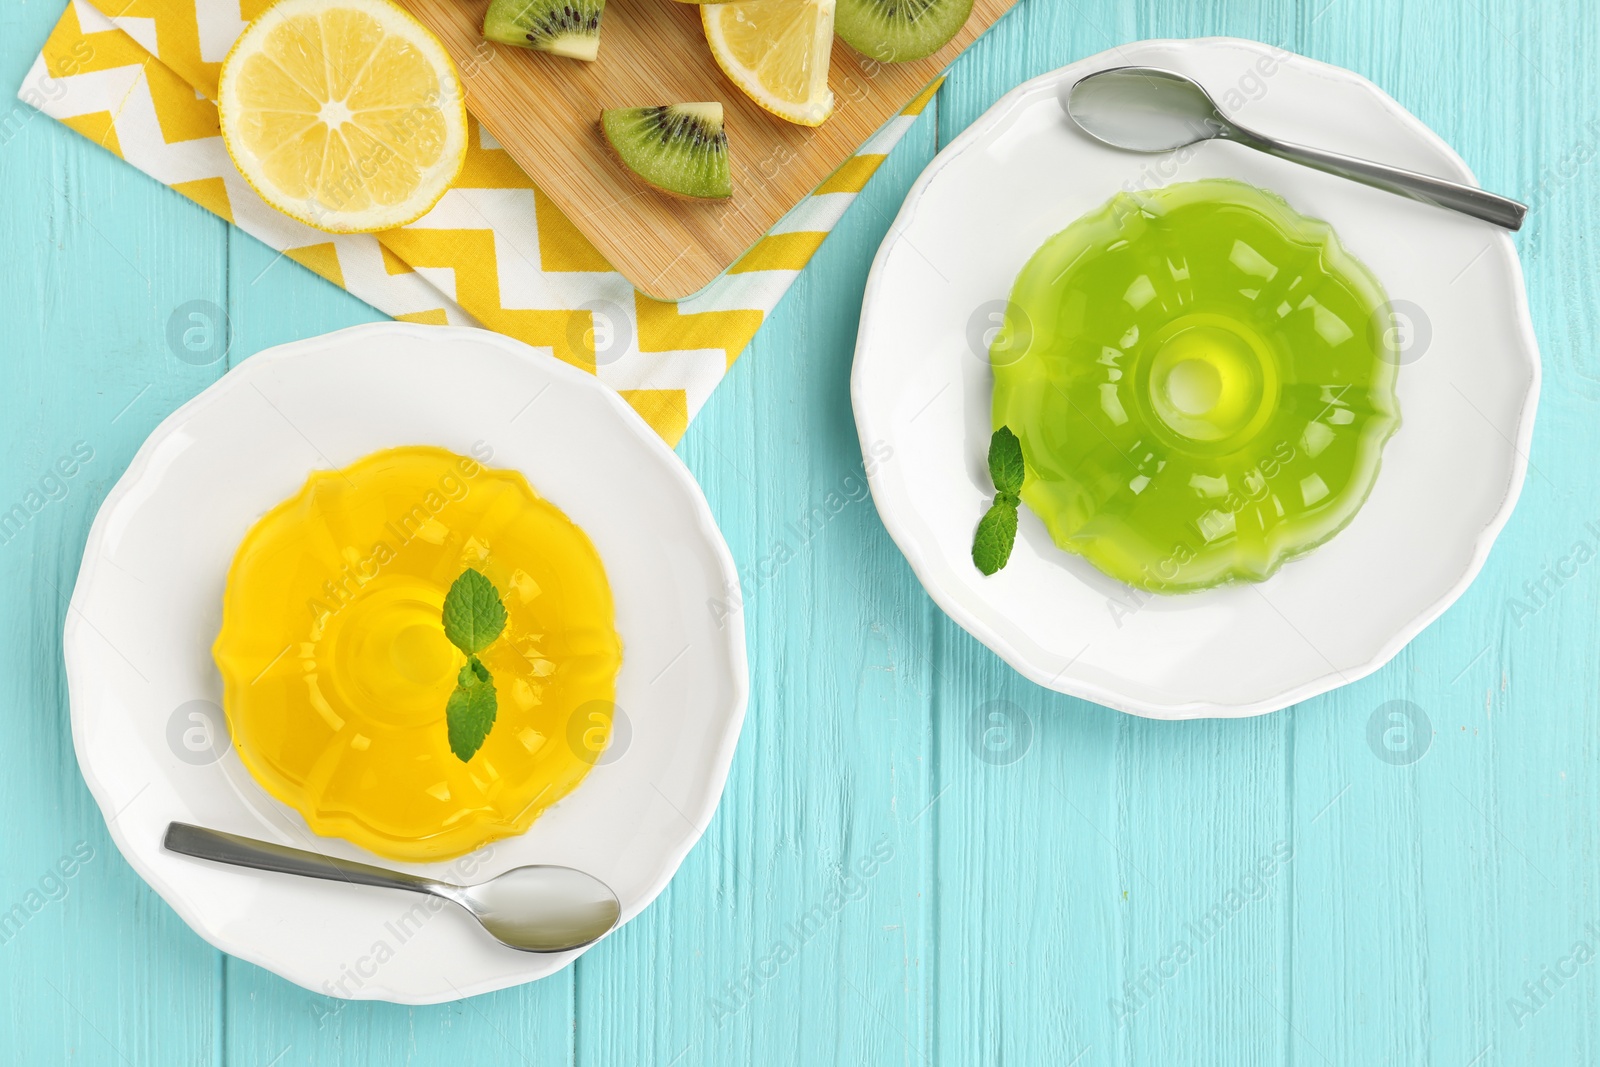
(1467, 199)
(215, 845)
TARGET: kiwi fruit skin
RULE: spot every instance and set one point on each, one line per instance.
(569, 28)
(679, 149)
(897, 31)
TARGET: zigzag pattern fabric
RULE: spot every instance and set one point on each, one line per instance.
(139, 78)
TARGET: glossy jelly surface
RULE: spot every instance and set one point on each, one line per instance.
(336, 668)
(1203, 382)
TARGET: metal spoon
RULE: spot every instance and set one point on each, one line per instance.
(1147, 109)
(534, 908)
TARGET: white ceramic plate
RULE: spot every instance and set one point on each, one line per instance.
(1468, 386)
(148, 603)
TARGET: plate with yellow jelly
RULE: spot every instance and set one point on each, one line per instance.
(1269, 421)
(416, 596)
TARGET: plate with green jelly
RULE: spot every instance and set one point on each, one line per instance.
(1272, 420)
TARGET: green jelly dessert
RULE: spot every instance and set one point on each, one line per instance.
(1203, 381)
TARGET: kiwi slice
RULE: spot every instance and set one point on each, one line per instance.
(568, 28)
(894, 31)
(680, 148)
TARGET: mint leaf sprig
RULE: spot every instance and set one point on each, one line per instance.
(473, 612)
(997, 530)
(474, 616)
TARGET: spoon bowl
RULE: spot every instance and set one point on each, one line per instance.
(543, 909)
(536, 908)
(1143, 109)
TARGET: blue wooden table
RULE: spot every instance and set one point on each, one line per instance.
(1079, 887)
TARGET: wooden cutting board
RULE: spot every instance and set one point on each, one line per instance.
(545, 110)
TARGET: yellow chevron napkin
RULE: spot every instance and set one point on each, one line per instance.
(138, 77)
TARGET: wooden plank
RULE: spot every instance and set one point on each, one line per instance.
(95, 969)
(1077, 848)
(544, 110)
(749, 957)
(1434, 891)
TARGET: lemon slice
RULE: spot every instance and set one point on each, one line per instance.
(777, 52)
(344, 114)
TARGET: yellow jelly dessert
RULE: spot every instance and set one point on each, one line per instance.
(1202, 380)
(337, 670)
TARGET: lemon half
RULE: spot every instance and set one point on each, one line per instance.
(777, 52)
(344, 114)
